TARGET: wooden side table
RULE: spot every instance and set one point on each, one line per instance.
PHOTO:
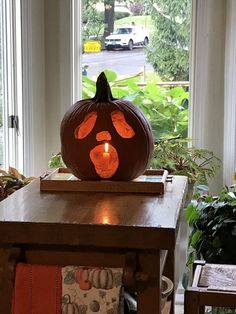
(135, 231)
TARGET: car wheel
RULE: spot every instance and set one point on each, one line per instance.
(146, 41)
(130, 44)
(108, 48)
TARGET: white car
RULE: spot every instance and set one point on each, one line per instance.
(127, 37)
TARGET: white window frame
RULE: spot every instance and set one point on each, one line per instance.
(77, 49)
(12, 84)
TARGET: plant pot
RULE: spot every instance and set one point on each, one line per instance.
(131, 299)
(167, 287)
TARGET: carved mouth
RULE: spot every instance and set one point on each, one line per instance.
(105, 163)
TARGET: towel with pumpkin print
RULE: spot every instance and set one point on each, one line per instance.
(37, 289)
(87, 290)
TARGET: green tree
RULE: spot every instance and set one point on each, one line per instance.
(93, 20)
(168, 51)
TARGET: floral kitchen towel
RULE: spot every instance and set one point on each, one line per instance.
(87, 290)
(37, 289)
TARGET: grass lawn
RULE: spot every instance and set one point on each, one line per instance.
(143, 20)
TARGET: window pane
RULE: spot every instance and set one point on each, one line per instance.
(144, 50)
(1, 86)
(10, 85)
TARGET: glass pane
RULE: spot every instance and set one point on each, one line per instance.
(1, 87)
(144, 50)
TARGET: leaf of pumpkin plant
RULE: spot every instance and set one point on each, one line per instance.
(118, 92)
(89, 81)
(110, 75)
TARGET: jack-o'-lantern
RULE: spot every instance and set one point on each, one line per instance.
(106, 138)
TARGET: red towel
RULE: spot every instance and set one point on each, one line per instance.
(37, 289)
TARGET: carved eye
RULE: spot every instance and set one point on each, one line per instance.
(86, 126)
(120, 124)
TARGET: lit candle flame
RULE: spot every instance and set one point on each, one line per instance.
(106, 147)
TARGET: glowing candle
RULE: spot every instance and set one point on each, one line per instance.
(106, 156)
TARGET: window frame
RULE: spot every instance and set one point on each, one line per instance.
(12, 84)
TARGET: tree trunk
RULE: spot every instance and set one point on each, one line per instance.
(109, 14)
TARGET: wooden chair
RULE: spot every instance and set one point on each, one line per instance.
(213, 285)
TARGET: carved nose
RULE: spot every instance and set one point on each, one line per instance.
(103, 136)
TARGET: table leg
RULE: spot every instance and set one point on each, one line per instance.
(8, 257)
(148, 292)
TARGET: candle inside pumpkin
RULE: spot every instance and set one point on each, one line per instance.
(106, 157)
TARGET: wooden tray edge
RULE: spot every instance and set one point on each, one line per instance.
(46, 184)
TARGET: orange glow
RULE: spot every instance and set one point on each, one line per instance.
(120, 124)
(105, 219)
(105, 160)
(103, 136)
(86, 126)
(105, 212)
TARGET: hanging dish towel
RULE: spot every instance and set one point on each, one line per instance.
(87, 290)
(37, 290)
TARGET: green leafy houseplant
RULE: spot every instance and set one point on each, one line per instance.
(212, 220)
(174, 155)
(56, 161)
(213, 223)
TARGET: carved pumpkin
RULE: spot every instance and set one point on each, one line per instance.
(101, 278)
(82, 278)
(106, 138)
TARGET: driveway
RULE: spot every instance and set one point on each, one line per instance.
(123, 62)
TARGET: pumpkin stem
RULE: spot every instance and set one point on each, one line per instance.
(103, 92)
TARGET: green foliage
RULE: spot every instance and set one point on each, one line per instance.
(93, 20)
(195, 163)
(121, 15)
(142, 20)
(12, 181)
(56, 161)
(166, 108)
(168, 50)
(213, 223)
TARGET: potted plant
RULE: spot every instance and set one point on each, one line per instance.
(212, 220)
(178, 158)
(213, 227)
(11, 181)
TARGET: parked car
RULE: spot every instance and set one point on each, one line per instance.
(127, 37)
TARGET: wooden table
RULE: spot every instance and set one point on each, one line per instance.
(133, 231)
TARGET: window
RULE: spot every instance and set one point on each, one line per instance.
(10, 85)
(145, 53)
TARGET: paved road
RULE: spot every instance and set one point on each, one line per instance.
(123, 62)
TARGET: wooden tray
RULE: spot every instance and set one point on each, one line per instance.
(152, 181)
